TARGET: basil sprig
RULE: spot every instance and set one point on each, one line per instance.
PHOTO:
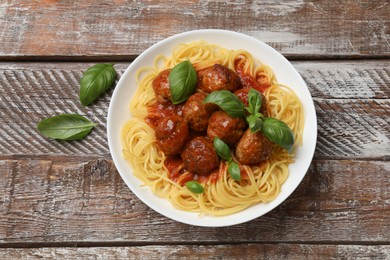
(234, 171)
(222, 149)
(66, 127)
(275, 130)
(278, 132)
(95, 81)
(194, 187)
(182, 81)
(223, 152)
(254, 118)
(255, 123)
(255, 101)
(227, 101)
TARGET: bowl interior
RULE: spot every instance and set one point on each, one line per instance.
(285, 73)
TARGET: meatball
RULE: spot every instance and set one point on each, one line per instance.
(196, 113)
(161, 86)
(242, 94)
(253, 148)
(219, 77)
(227, 128)
(199, 156)
(171, 134)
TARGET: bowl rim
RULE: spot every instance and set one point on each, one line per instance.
(220, 221)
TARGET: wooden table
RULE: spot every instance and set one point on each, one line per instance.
(66, 200)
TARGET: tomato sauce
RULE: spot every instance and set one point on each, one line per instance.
(244, 173)
(179, 174)
(260, 83)
(212, 177)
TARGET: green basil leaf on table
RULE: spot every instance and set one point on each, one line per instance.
(254, 123)
(66, 127)
(278, 132)
(254, 101)
(227, 101)
(234, 171)
(182, 81)
(194, 187)
(95, 81)
(222, 149)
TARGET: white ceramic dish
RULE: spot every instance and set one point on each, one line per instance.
(118, 114)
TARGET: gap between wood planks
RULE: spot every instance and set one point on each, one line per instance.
(181, 243)
(130, 58)
(87, 158)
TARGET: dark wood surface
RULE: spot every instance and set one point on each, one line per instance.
(66, 200)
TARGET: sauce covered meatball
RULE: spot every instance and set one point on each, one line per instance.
(160, 86)
(253, 148)
(196, 113)
(199, 156)
(171, 134)
(242, 94)
(218, 77)
(227, 128)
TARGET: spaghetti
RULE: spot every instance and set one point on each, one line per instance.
(222, 194)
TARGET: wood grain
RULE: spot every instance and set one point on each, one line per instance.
(56, 196)
(352, 100)
(122, 29)
(242, 251)
(42, 201)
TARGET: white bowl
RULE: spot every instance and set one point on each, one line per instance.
(118, 114)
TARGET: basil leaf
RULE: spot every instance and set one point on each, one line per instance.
(255, 123)
(95, 81)
(66, 127)
(254, 101)
(182, 81)
(222, 149)
(278, 132)
(227, 101)
(234, 171)
(194, 186)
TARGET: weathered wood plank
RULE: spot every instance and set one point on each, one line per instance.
(346, 79)
(74, 202)
(325, 79)
(123, 29)
(353, 129)
(352, 101)
(242, 251)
